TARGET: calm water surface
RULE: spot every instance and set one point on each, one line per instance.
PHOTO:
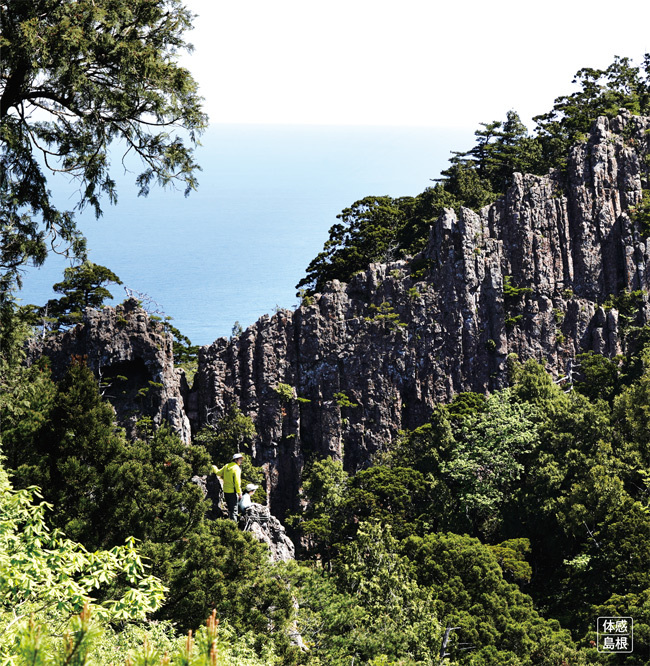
(235, 249)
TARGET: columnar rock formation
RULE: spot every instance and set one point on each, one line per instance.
(371, 357)
(132, 357)
(528, 275)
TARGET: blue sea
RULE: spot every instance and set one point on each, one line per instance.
(235, 249)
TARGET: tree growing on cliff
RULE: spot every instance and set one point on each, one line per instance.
(366, 233)
(381, 228)
(502, 147)
(76, 77)
(602, 92)
(82, 287)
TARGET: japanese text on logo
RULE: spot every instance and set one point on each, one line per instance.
(615, 634)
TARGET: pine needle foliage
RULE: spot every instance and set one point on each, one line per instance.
(76, 77)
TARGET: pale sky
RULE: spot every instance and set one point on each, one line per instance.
(402, 62)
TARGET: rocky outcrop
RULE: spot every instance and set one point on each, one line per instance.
(132, 357)
(265, 527)
(527, 275)
(270, 531)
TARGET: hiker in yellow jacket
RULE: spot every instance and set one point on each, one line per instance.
(231, 475)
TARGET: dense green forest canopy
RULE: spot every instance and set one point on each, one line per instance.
(382, 228)
(524, 512)
(509, 522)
(518, 518)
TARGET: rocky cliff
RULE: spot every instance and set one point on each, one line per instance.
(528, 275)
(132, 357)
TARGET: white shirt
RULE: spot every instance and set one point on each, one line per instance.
(245, 502)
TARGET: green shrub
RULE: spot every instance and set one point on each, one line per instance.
(342, 400)
(420, 267)
(511, 291)
(640, 214)
(511, 322)
(385, 314)
(284, 392)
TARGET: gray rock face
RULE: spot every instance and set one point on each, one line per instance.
(395, 344)
(527, 275)
(132, 356)
(272, 533)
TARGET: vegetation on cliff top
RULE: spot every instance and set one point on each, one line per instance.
(381, 228)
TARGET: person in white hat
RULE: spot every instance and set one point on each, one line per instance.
(231, 475)
(246, 501)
